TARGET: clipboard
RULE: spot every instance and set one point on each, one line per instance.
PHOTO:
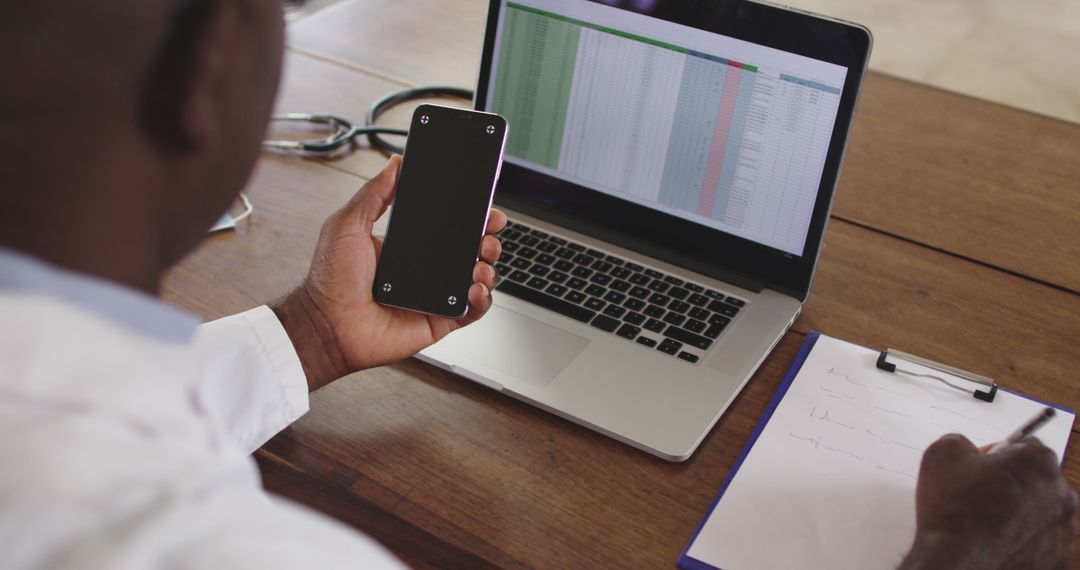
(688, 562)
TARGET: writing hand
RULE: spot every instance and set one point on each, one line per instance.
(332, 318)
(1011, 509)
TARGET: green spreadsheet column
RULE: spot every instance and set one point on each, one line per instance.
(532, 85)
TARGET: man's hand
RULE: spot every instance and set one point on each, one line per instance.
(333, 319)
(1011, 509)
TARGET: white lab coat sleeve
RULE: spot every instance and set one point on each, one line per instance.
(249, 376)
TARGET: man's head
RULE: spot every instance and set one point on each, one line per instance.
(128, 126)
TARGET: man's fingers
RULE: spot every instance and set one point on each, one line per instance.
(375, 196)
(947, 451)
(485, 274)
(496, 221)
(479, 303)
(490, 249)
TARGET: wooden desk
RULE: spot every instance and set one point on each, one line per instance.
(954, 236)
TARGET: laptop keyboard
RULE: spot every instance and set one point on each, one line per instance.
(655, 310)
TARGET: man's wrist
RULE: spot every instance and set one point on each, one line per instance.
(312, 336)
(935, 550)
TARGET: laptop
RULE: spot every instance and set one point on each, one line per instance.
(669, 172)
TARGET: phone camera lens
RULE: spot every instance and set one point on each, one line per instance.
(491, 129)
(424, 119)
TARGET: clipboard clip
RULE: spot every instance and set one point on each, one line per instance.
(896, 355)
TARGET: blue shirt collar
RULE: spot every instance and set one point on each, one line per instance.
(129, 308)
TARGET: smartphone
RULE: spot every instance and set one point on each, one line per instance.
(448, 173)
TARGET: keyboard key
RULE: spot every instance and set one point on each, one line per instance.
(601, 278)
(576, 296)
(527, 252)
(520, 263)
(736, 302)
(679, 306)
(674, 318)
(646, 341)
(546, 246)
(634, 304)
(655, 325)
(673, 280)
(620, 273)
(669, 346)
(510, 246)
(505, 257)
(654, 311)
(563, 265)
(545, 259)
(694, 325)
(565, 253)
(614, 311)
(602, 266)
(614, 297)
(594, 304)
(583, 272)
(509, 234)
(605, 323)
(557, 240)
(529, 241)
(614, 260)
(688, 357)
(695, 313)
(575, 246)
(633, 266)
(723, 308)
(503, 269)
(658, 286)
(714, 330)
(634, 318)
(694, 288)
(546, 301)
(559, 290)
(676, 292)
(658, 299)
(639, 292)
(539, 270)
(715, 294)
(595, 253)
(520, 227)
(539, 234)
(699, 300)
(519, 276)
(582, 259)
(719, 320)
(620, 285)
(654, 274)
(558, 276)
(537, 283)
(639, 279)
(575, 283)
(683, 335)
(628, 331)
(595, 290)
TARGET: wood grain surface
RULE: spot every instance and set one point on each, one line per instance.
(953, 237)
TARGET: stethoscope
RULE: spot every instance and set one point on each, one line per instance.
(344, 133)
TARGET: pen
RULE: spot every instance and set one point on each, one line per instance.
(1025, 430)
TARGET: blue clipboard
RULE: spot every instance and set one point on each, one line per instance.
(685, 561)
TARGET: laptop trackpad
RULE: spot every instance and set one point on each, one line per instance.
(524, 348)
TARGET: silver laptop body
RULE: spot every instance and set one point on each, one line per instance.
(639, 179)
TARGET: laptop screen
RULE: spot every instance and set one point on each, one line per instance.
(715, 130)
(712, 128)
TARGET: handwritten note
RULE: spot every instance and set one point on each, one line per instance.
(830, 482)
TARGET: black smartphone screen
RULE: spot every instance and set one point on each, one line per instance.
(440, 210)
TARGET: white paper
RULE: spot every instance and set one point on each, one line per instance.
(830, 483)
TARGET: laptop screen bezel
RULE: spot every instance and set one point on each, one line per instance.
(687, 244)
